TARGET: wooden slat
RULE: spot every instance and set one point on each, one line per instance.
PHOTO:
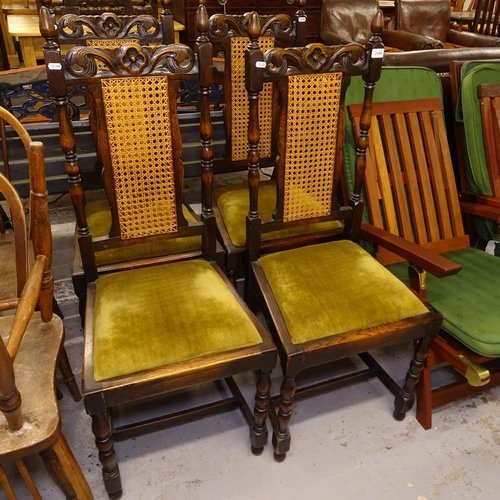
(392, 154)
(436, 175)
(494, 168)
(413, 192)
(391, 221)
(27, 480)
(424, 178)
(448, 174)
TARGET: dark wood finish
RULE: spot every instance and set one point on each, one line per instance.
(172, 62)
(434, 214)
(184, 12)
(30, 346)
(486, 18)
(279, 65)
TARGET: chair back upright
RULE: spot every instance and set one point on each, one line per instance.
(231, 32)
(134, 90)
(311, 82)
(486, 18)
(36, 289)
(424, 17)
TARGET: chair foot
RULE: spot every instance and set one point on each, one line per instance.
(257, 451)
(399, 416)
(279, 457)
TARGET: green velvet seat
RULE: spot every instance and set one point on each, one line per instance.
(307, 294)
(99, 222)
(233, 204)
(466, 301)
(212, 324)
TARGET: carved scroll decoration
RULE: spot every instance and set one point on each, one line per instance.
(108, 25)
(316, 58)
(129, 59)
(280, 25)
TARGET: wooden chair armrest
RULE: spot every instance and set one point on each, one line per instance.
(481, 199)
(427, 259)
(487, 211)
(26, 306)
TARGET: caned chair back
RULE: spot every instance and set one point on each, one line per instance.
(133, 91)
(311, 83)
(231, 31)
(409, 180)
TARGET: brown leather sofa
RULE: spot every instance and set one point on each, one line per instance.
(431, 18)
(347, 21)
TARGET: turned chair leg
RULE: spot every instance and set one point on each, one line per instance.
(405, 399)
(105, 444)
(69, 470)
(68, 376)
(281, 434)
(258, 431)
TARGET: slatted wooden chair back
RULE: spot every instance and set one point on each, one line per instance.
(486, 18)
(409, 181)
(134, 93)
(489, 95)
(311, 83)
(231, 31)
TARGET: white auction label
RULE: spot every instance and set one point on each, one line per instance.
(377, 53)
(260, 64)
(54, 66)
(302, 19)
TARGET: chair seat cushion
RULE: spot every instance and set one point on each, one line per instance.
(99, 222)
(233, 203)
(468, 300)
(156, 316)
(335, 287)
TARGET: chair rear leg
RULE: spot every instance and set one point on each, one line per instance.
(68, 376)
(70, 470)
(258, 431)
(404, 401)
(424, 398)
(55, 470)
(281, 434)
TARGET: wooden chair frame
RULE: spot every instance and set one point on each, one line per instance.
(429, 215)
(277, 64)
(175, 61)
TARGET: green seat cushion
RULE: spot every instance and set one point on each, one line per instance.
(469, 300)
(155, 316)
(335, 287)
(99, 222)
(233, 203)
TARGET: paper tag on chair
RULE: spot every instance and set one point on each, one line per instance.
(54, 66)
(260, 64)
(377, 53)
(301, 19)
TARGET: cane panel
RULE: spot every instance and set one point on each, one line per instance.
(311, 133)
(140, 141)
(239, 96)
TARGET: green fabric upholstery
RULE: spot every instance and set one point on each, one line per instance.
(469, 300)
(156, 316)
(333, 288)
(233, 203)
(99, 221)
(474, 73)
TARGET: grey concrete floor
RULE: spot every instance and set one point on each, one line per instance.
(345, 444)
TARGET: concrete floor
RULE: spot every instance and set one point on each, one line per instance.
(345, 444)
